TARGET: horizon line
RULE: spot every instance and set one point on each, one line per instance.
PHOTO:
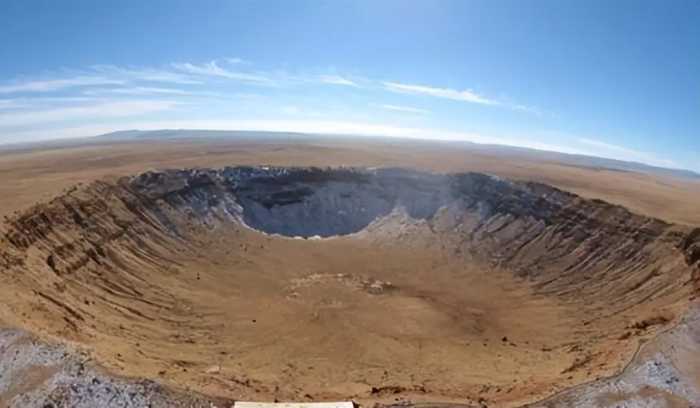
(58, 141)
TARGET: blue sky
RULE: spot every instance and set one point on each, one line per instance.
(617, 79)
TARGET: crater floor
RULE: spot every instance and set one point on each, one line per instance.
(373, 285)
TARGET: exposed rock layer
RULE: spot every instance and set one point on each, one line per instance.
(531, 228)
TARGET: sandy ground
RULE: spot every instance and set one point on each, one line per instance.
(29, 176)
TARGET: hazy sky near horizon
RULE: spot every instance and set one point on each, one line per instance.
(617, 79)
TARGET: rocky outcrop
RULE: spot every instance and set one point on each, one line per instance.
(691, 246)
(41, 375)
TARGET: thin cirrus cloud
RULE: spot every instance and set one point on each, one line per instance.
(445, 93)
(24, 103)
(146, 75)
(337, 80)
(624, 153)
(58, 84)
(213, 69)
(185, 75)
(106, 109)
(12, 104)
(466, 95)
(137, 90)
(97, 76)
(404, 109)
(236, 61)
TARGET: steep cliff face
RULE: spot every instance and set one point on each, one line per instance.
(308, 202)
(569, 245)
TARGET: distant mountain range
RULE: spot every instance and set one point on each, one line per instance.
(590, 161)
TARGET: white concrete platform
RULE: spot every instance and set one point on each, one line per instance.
(247, 404)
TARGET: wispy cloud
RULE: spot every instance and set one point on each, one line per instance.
(405, 109)
(466, 95)
(137, 90)
(12, 104)
(32, 101)
(527, 109)
(337, 80)
(20, 104)
(57, 84)
(88, 112)
(96, 76)
(446, 93)
(146, 75)
(213, 69)
(609, 150)
(234, 61)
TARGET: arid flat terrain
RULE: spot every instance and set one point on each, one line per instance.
(454, 287)
(32, 174)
